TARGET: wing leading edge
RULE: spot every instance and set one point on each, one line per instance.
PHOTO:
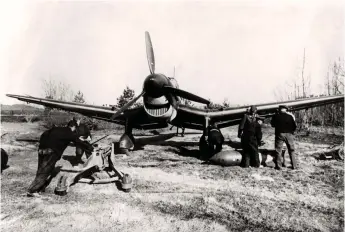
(187, 117)
(191, 117)
(97, 112)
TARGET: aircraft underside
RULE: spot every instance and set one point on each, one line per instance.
(207, 147)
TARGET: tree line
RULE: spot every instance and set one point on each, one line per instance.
(300, 87)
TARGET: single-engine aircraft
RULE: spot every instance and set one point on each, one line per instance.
(163, 106)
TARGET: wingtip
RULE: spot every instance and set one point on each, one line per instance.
(16, 96)
(10, 95)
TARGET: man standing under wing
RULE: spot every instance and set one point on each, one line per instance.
(249, 131)
(285, 126)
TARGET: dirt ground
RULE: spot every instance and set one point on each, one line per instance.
(175, 191)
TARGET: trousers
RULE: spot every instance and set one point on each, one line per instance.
(250, 152)
(47, 159)
(288, 139)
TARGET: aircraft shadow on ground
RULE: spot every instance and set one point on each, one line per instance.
(160, 140)
(185, 152)
(174, 143)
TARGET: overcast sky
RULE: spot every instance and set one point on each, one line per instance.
(239, 50)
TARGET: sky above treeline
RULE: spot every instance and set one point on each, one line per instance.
(242, 51)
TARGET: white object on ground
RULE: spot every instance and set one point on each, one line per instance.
(258, 177)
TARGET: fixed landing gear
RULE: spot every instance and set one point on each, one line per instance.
(127, 141)
(182, 128)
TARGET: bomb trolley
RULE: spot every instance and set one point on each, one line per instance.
(99, 162)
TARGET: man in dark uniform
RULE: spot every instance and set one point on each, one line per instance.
(250, 133)
(213, 144)
(216, 138)
(53, 142)
(83, 132)
(285, 126)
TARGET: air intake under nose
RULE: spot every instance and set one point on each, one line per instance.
(158, 112)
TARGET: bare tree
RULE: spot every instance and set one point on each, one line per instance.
(287, 91)
(330, 115)
(49, 88)
(57, 90)
(302, 76)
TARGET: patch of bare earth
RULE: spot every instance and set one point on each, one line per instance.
(175, 191)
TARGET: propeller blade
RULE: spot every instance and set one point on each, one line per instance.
(125, 107)
(186, 95)
(149, 53)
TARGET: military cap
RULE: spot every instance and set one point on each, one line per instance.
(283, 107)
(252, 109)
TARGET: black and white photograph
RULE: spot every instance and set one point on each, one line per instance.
(172, 115)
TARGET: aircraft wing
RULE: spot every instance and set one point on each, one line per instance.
(194, 118)
(136, 116)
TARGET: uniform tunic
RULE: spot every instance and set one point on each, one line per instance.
(83, 131)
(250, 132)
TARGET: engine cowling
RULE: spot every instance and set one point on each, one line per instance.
(156, 102)
(159, 107)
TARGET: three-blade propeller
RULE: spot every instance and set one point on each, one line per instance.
(169, 91)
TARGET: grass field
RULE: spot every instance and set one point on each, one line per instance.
(174, 191)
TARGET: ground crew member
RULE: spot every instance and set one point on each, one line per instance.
(53, 142)
(250, 133)
(214, 142)
(215, 138)
(285, 125)
(82, 131)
